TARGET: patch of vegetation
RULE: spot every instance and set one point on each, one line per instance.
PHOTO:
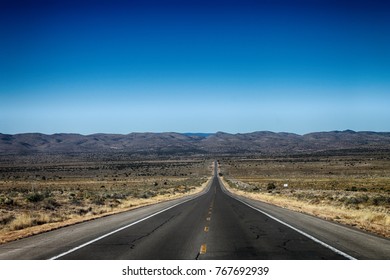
(271, 186)
(342, 182)
(7, 201)
(34, 197)
(80, 187)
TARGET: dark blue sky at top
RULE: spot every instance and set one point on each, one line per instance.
(122, 66)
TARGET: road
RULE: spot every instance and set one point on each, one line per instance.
(212, 225)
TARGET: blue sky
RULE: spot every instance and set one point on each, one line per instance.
(194, 66)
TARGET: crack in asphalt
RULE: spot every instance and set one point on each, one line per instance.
(132, 245)
(258, 232)
(285, 244)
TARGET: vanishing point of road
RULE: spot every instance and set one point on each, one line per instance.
(212, 225)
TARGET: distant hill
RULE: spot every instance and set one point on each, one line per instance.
(263, 142)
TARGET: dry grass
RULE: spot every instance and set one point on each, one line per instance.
(335, 189)
(31, 205)
(28, 224)
(369, 219)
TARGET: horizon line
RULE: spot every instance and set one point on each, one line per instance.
(194, 133)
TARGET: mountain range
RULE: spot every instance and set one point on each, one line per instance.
(262, 142)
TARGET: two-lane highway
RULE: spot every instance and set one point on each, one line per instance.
(214, 225)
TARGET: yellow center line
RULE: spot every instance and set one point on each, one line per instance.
(206, 229)
(203, 249)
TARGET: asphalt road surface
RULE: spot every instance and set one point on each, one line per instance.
(212, 225)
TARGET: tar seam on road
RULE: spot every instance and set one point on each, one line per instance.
(124, 227)
(294, 228)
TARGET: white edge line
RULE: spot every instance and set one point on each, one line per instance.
(294, 228)
(127, 226)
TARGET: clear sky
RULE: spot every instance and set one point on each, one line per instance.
(194, 66)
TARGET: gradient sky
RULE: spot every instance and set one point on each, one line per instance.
(194, 66)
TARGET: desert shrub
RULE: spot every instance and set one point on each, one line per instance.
(114, 203)
(83, 211)
(147, 194)
(7, 201)
(35, 197)
(98, 200)
(74, 200)
(355, 200)
(51, 204)
(363, 198)
(271, 186)
(118, 196)
(5, 219)
(380, 200)
(351, 200)
(164, 192)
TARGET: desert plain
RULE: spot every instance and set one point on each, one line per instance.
(51, 181)
(348, 189)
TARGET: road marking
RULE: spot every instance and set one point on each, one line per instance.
(203, 249)
(297, 230)
(208, 219)
(124, 227)
(209, 212)
(206, 229)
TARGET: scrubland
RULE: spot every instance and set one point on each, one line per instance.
(44, 195)
(353, 190)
